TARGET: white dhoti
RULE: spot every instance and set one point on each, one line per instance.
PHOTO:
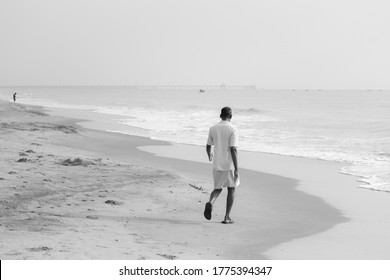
(223, 179)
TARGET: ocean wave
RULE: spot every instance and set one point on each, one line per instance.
(249, 111)
(373, 175)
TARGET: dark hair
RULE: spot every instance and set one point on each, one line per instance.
(226, 112)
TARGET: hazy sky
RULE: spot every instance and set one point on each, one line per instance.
(271, 43)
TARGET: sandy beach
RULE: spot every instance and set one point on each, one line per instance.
(70, 192)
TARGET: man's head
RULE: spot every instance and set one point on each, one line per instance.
(226, 113)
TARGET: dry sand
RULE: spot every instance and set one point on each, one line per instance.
(74, 193)
(66, 203)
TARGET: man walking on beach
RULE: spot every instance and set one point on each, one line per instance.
(223, 136)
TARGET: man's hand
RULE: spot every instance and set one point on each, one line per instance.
(233, 151)
(209, 153)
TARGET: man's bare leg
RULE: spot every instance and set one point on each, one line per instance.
(229, 205)
(209, 205)
(214, 195)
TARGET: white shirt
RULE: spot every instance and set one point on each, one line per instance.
(222, 136)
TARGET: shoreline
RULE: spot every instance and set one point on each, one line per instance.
(291, 223)
(283, 217)
(195, 164)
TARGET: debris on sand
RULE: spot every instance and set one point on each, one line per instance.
(112, 202)
(76, 162)
(196, 187)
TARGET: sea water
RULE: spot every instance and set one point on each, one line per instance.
(351, 127)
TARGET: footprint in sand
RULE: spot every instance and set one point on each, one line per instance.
(76, 162)
(36, 144)
(92, 217)
(14, 254)
(40, 249)
(169, 257)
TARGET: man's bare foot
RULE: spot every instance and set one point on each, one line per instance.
(228, 221)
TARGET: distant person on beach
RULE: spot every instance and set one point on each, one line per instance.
(14, 97)
(223, 136)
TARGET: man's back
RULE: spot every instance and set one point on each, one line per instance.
(222, 136)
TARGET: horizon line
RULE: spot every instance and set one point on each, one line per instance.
(220, 87)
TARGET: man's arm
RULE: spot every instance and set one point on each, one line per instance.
(234, 153)
(209, 153)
